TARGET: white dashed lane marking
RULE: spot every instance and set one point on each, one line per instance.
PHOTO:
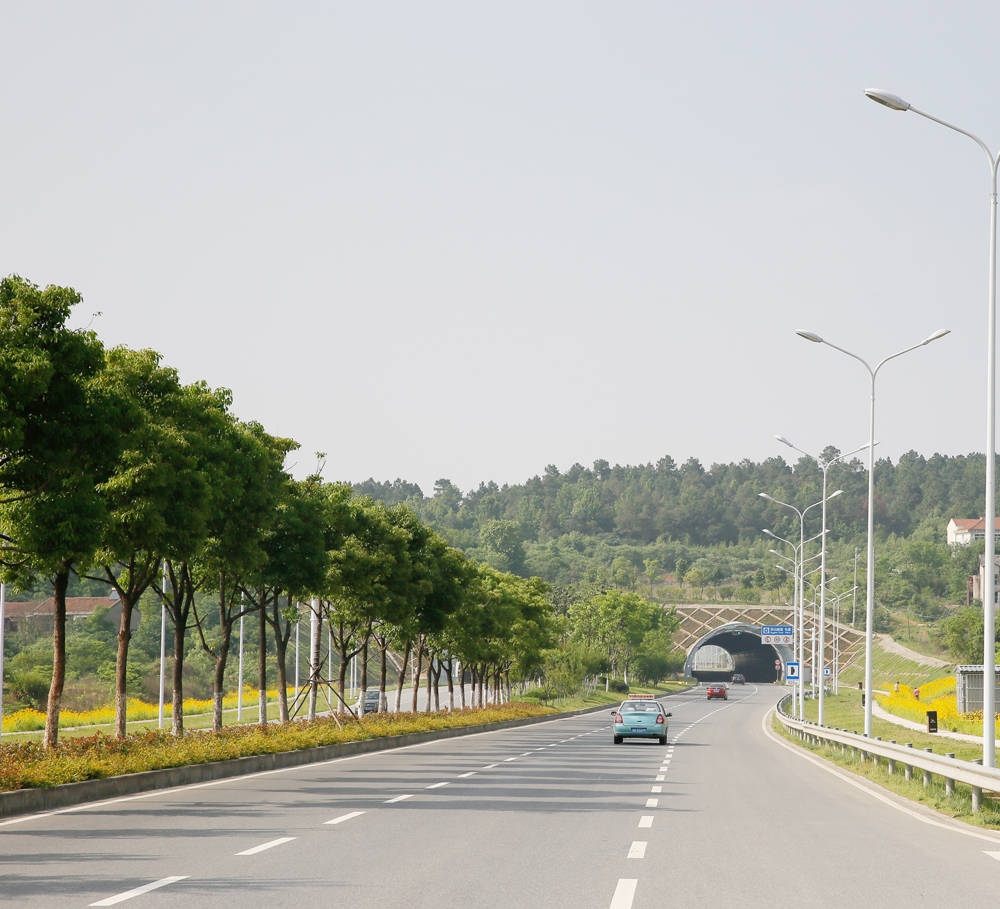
(269, 845)
(398, 798)
(437, 785)
(138, 891)
(637, 850)
(345, 817)
(646, 820)
(624, 893)
(652, 803)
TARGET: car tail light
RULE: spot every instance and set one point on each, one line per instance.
(617, 718)
(660, 719)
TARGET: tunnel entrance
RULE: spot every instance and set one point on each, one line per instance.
(754, 660)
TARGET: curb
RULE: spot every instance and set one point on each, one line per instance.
(27, 801)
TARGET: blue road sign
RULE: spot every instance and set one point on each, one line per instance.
(792, 672)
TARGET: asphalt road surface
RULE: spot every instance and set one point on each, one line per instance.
(551, 815)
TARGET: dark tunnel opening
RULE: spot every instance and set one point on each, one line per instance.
(754, 660)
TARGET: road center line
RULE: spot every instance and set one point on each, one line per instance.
(646, 820)
(138, 891)
(624, 893)
(344, 817)
(398, 798)
(269, 845)
(637, 849)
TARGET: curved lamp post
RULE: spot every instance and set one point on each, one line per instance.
(894, 102)
(815, 338)
(825, 466)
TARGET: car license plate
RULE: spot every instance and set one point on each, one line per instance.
(638, 728)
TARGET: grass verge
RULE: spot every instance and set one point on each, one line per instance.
(844, 713)
(28, 765)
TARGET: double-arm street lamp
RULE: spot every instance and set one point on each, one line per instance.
(989, 597)
(802, 543)
(815, 338)
(825, 466)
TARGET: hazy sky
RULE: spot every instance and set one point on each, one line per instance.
(467, 240)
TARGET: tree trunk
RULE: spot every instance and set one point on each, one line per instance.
(451, 686)
(218, 683)
(342, 678)
(364, 661)
(59, 585)
(281, 648)
(177, 700)
(402, 677)
(121, 665)
(383, 646)
(430, 678)
(461, 683)
(416, 673)
(314, 634)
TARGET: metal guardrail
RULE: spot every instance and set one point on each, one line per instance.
(951, 770)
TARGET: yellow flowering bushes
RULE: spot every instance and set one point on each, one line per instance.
(938, 695)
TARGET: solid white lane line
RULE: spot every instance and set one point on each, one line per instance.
(344, 817)
(656, 789)
(437, 785)
(646, 820)
(652, 803)
(398, 798)
(637, 849)
(823, 765)
(270, 845)
(993, 855)
(624, 893)
(463, 776)
(145, 888)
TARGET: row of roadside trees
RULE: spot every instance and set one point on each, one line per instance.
(113, 469)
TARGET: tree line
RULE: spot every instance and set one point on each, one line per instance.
(113, 470)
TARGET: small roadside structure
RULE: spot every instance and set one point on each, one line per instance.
(969, 688)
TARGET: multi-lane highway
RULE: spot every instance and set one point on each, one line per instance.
(549, 815)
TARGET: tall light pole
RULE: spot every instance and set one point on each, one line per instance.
(989, 596)
(802, 543)
(825, 466)
(870, 604)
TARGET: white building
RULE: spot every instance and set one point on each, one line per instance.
(962, 531)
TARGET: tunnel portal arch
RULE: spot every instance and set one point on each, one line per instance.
(751, 657)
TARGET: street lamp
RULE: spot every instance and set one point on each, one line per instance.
(825, 466)
(802, 543)
(815, 338)
(989, 604)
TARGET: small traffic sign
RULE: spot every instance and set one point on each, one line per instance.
(792, 672)
(827, 672)
(777, 664)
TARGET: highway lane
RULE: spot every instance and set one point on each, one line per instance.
(544, 816)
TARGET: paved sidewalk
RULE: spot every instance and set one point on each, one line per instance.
(884, 714)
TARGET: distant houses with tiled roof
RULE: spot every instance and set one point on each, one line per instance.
(39, 613)
(962, 531)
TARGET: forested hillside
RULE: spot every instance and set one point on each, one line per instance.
(628, 526)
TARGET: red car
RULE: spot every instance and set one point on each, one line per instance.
(718, 691)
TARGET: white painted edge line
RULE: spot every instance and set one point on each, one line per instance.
(436, 785)
(464, 776)
(646, 820)
(637, 850)
(992, 855)
(652, 803)
(624, 893)
(398, 798)
(886, 800)
(138, 891)
(344, 817)
(269, 845)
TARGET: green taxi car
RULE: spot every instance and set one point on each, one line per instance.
(640, 717)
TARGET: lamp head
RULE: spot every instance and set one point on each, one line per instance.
(764, 495)
(809, 335)
(834, 495)
(940, 333)
(894, 102)
(784, 441)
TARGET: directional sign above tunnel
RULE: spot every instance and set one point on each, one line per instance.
(776, 634)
